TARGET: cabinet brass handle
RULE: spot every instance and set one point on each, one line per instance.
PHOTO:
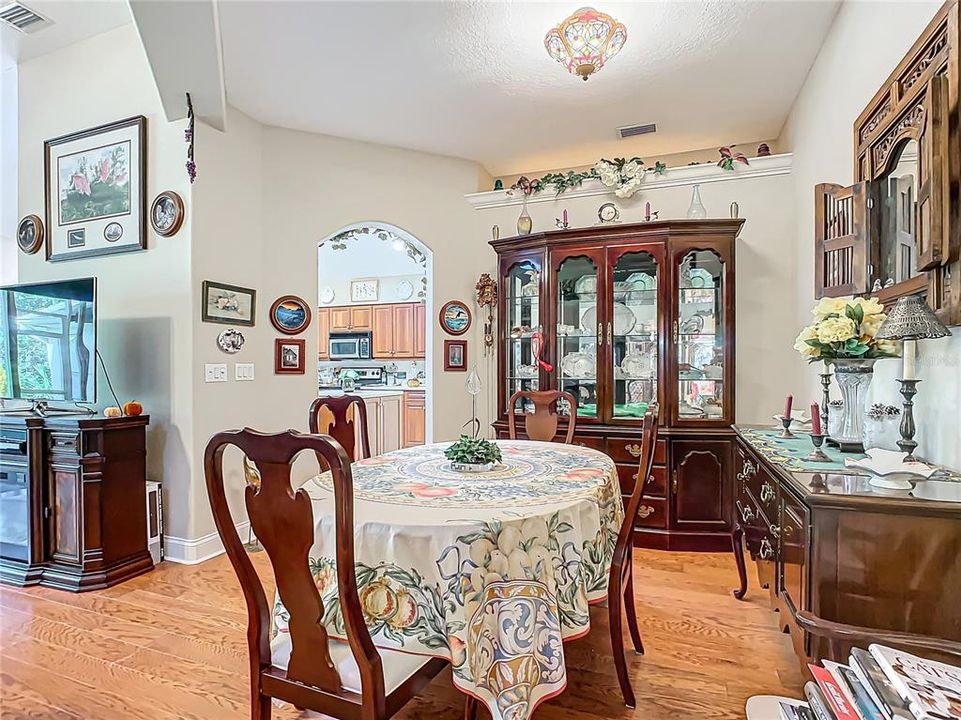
(645, 511)
(675, 332)
(765, 551)
(600, 334)
(650, 478)
(747, 513)
(776, 530)
(633, 449)
(610, 334)
(674, 482)
(767, 493)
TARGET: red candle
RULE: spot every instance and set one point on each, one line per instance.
(788, 402)
(815, 419)
(647, 211)
(565, 217)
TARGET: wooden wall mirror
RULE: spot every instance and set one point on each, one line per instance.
(896, 231)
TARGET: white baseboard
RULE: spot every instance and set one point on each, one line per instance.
(191, 552)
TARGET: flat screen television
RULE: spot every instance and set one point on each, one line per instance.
(48, 341)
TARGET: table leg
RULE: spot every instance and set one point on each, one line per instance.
(737, 538)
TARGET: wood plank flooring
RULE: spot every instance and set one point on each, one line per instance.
(170, 645)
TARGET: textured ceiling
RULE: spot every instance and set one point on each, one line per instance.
(472, 79)
(73, 21)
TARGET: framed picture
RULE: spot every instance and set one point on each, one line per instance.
(455, 317)
(95, 190)
(289, 356)
(363, 290)
(167, 213)
(290, 314)
(455, 355)
(30, 234)
(228, 304)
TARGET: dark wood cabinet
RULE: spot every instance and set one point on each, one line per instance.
(73, 501)
(827, 545)
(624, 316)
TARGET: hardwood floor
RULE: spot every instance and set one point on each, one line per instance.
(170, 645)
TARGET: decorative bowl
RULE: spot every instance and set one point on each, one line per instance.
(472, 467)
(578, 364)
(888, 469)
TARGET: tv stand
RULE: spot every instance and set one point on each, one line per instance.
(42, 408)
(73, 503)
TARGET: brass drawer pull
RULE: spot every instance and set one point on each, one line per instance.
(645, 511)
(633, 449)
(747, 513)
(776, 530)
(767, 493)
(766, 551)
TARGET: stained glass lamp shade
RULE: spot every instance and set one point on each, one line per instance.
(584, 42)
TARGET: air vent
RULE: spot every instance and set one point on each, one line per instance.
(22, 18)
(632, 130)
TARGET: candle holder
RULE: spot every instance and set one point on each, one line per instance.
(817, 455)
(786, 433)
(825, 398)
(909, 389)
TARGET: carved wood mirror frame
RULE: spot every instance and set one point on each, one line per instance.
(919, 101)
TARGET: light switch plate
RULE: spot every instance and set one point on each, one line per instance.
(215, 372)
(243, 372)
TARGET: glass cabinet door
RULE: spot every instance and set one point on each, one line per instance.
(522, 328)
(699, 336)
(578, 331)
(634, 320)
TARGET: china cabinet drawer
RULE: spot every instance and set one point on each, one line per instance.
(628, 449)
(656, 483)
(64, 443)
(652, 513)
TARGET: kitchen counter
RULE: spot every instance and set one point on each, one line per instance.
(372, 390)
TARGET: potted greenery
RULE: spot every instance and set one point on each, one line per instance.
(473, 454)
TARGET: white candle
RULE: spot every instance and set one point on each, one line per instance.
(909, 357)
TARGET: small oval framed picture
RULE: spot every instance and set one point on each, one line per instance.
(30, 234)
(167, 213)
(290, 314)
(455, 317)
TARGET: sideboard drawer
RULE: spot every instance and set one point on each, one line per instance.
(652, 513)
(64, 443)
(656, 483)
(628, 449)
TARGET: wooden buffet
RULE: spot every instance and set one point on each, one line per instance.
(621, 316)
(827, 545)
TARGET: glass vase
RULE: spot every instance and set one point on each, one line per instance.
(854, 378)
(696, 210)
(524, 222)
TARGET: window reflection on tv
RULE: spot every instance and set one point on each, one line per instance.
(48, 341)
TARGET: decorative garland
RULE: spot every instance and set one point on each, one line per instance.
(189, 138)
(624, 175)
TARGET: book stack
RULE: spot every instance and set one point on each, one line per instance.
(880, 683)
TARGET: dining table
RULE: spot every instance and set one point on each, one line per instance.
(491, 570)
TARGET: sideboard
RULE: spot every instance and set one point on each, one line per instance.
(73, 508)
(829, 545)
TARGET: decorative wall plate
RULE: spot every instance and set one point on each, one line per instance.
(326, 295)
(231, 340)
(166, 213)
(404, 290)
(290, 314)
(455, 317)
(30, 234)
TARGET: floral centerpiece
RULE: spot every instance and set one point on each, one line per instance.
(844, 333)
(473, 454)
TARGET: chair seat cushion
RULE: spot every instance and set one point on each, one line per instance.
(398, 666)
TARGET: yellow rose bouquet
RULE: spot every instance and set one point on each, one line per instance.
(845, 327)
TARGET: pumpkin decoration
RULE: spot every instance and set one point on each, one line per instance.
(112, 412)
(132, 408)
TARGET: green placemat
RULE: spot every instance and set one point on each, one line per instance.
(790, 454)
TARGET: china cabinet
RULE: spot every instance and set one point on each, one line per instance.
(622, 316)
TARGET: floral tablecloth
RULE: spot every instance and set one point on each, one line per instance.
(493, 571)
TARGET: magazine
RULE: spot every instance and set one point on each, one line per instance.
(790, 711)
(841, 706)
(862, 699)
(876, 683)
(931, 689)
(819, 706)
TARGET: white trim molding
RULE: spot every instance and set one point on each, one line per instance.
(672, 177)
(191, 552)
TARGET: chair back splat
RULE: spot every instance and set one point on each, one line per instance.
(542, 424)
(338, 416)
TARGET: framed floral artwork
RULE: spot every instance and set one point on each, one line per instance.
(455, 355)
(290, 356)
(228, 304)
(95, 191)
(363, 290)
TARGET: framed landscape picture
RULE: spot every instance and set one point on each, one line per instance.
(290, 356)
(95, 191)
(228, 304)
(455, 355)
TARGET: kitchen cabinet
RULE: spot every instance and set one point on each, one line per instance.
(420, 330)
(323, 333)
(415, 418)
(351, 318)
(385, 422)
(395, 331)
(622, 317)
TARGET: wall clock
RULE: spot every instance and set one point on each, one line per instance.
(608, 213)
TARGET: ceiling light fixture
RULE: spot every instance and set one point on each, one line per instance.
(585, 41)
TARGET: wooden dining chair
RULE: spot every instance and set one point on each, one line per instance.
(337, 416)
(350, 680)
(542, 424)
(620, 589)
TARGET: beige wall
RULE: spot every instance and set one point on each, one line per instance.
(766, 366)
(145, 318)
(862, 48)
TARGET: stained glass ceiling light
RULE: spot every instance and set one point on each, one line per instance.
(584, 42)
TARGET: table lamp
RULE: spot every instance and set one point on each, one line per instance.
(910, 320)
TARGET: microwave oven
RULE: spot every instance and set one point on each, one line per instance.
(349, 346)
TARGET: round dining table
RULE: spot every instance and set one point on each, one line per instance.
(491, 570)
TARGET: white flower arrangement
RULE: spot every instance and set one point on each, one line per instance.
(625, 176)
(845, 327)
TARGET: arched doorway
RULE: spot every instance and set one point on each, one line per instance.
(381, 266)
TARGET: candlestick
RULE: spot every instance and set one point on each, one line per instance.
(825, 397)
(817, 455)
(788, 403)
(815, 419)
(909, 357)
(786, 433)
(907, 444)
